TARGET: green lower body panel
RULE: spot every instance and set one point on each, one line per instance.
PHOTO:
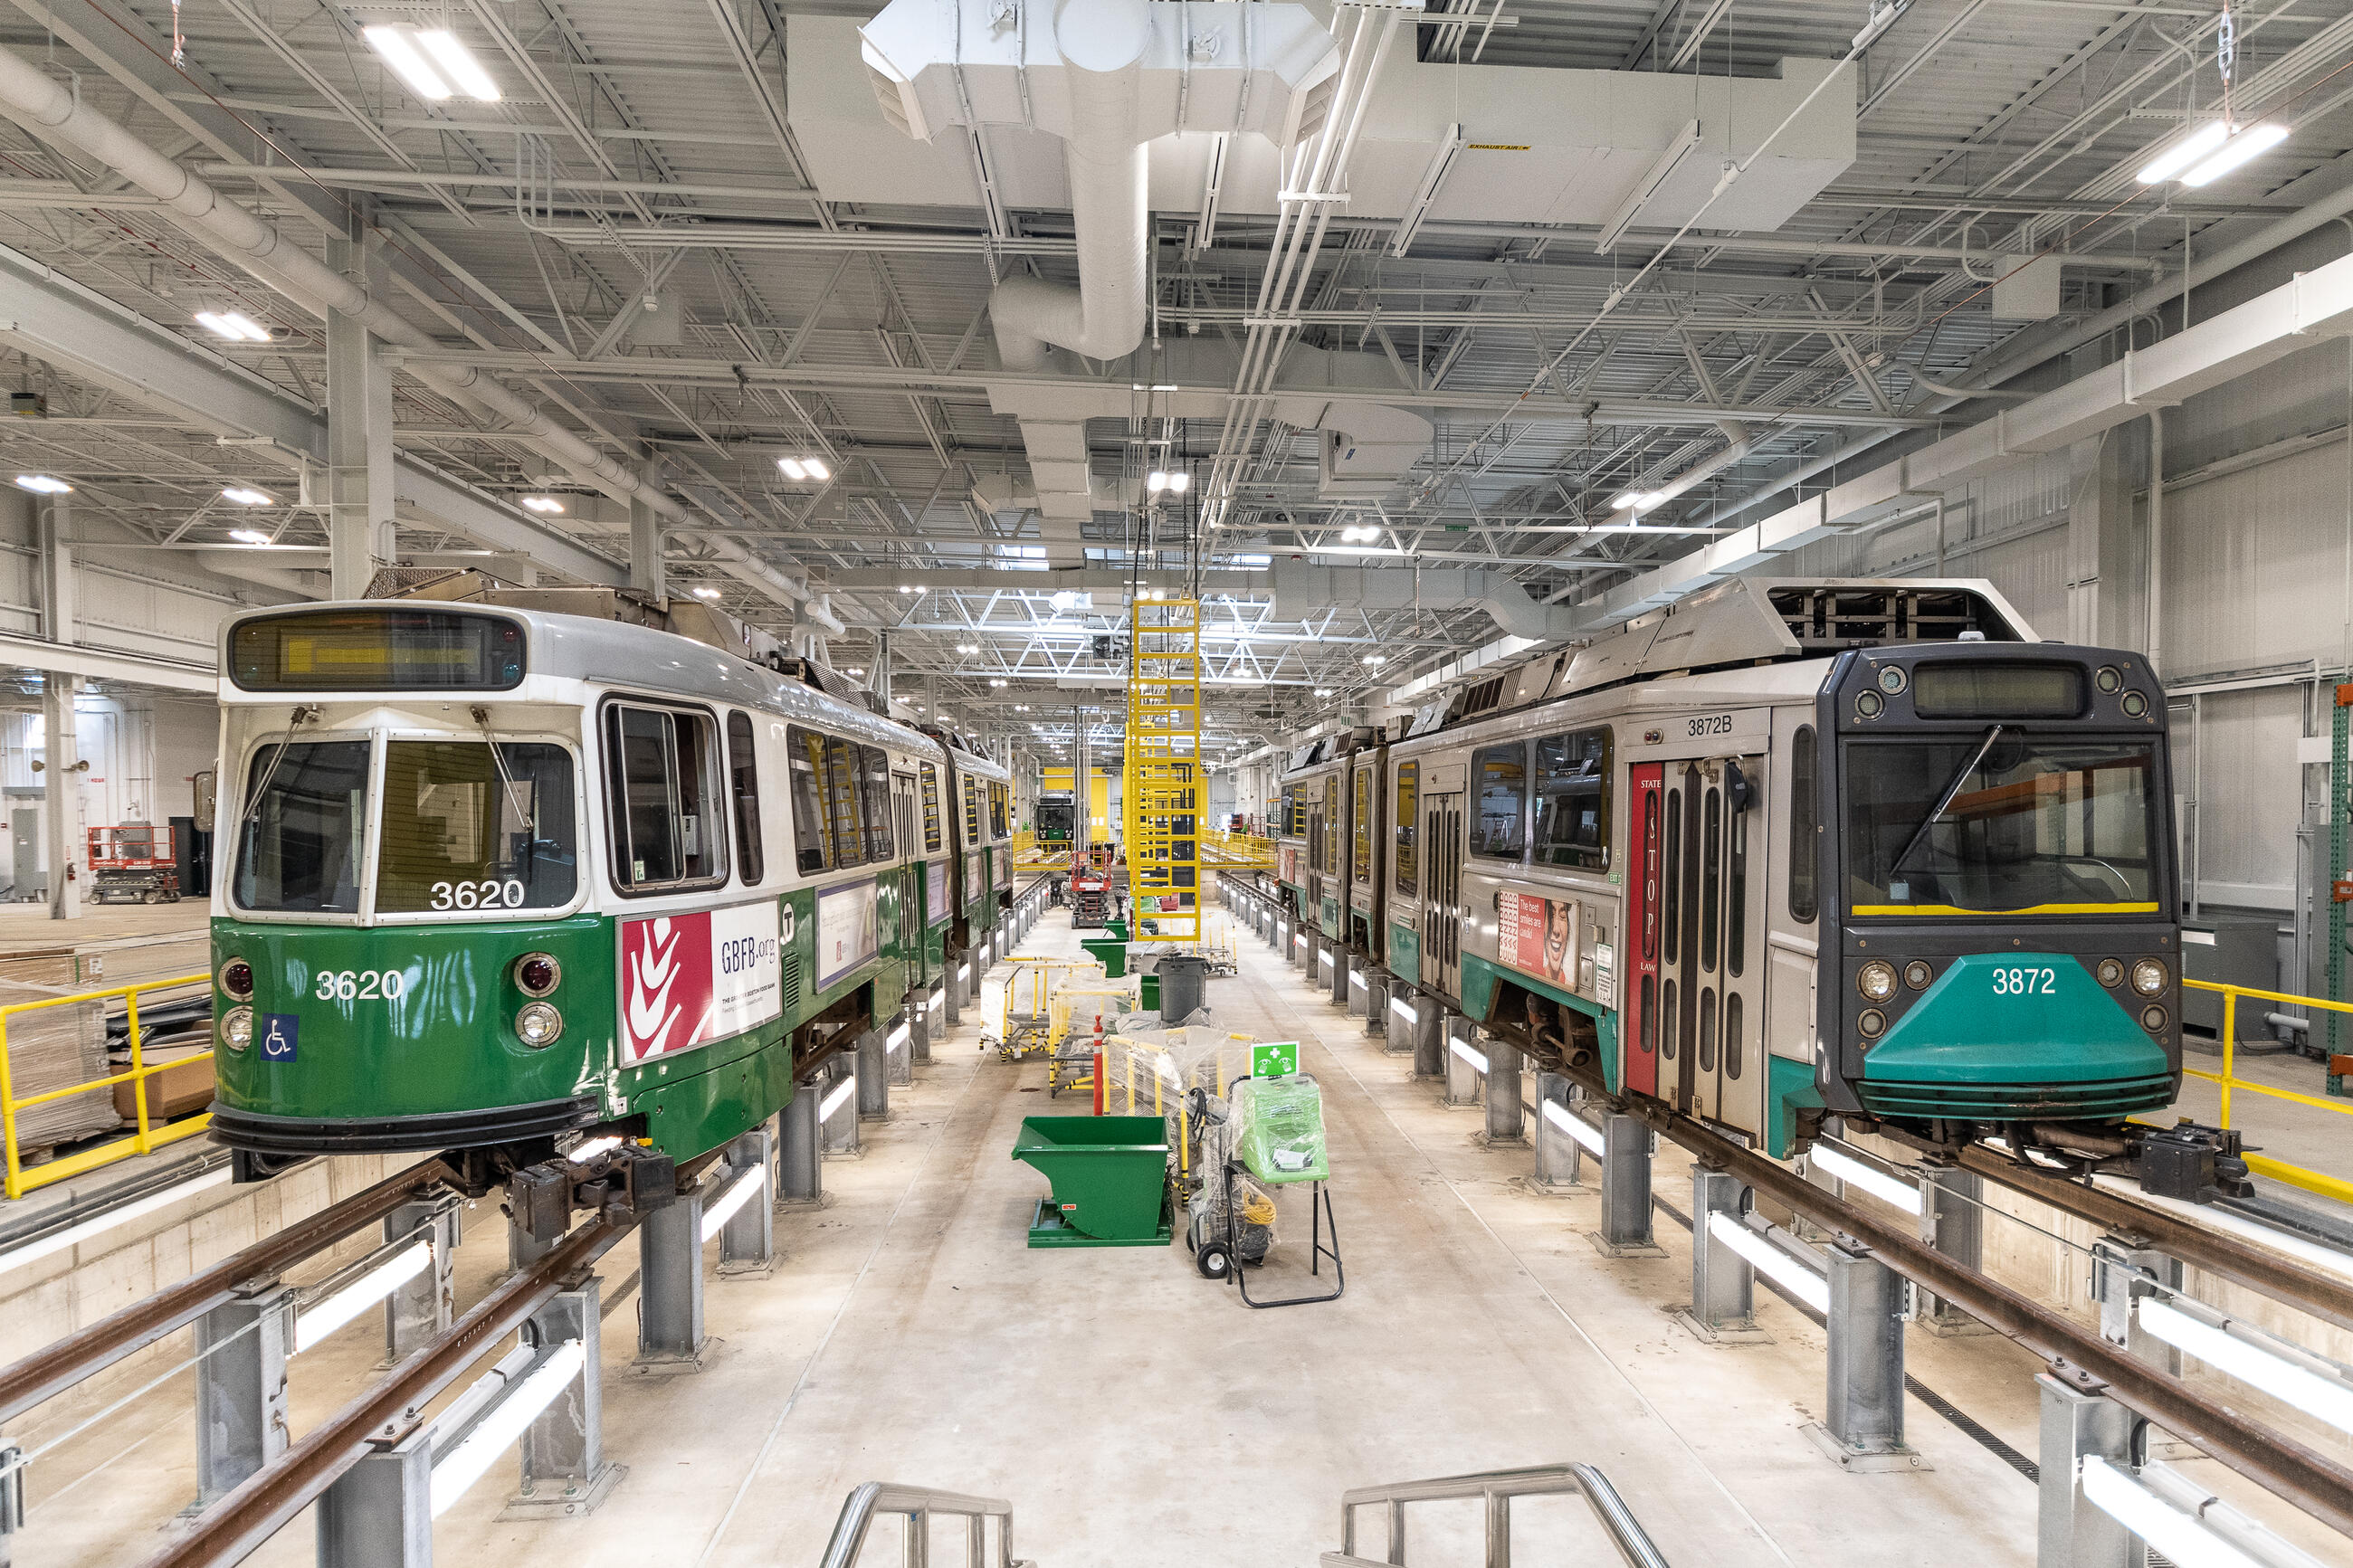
(1404, 954)
(1047, 1228)
(690, 1112)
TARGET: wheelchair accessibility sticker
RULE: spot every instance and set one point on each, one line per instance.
(280, 1034)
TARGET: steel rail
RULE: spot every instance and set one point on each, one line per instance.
(241, 1522)
(2083, 1359)
(47, 1372)
(2306, 1289)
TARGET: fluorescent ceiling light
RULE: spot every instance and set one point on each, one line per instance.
(817, 470)
(1155, 482)
(1685, 142)
(1433, 175)
(244, 496)
(1769, 1260)
(1179, 481)
(2239, 148)
(457, 63)
(1855, 1174)
(234, 325)
(42, 484)
(248, 536)
(1637, 501)
(793, 467)
(546, 504)
(706, 593)
(2327, 1398)
(401, 54)
(2188, 150)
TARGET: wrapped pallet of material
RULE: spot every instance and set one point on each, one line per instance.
(54, 1048)
(1279, 1129)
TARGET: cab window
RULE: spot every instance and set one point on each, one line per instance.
(1500, 776)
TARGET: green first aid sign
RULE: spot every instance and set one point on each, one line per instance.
(1278, 1060)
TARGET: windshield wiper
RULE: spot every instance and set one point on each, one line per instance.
(1952, 788)
(498, 759)
(303, 713)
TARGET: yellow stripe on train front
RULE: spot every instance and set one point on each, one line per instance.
(1988, 914)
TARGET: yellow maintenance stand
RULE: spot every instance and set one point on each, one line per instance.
(1166, 790)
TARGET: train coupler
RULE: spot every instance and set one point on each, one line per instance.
(628, 1181)
(2194, 1164)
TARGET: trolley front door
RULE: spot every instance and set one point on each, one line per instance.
(1442, 912)
(1711, 988)
(1639, 1035)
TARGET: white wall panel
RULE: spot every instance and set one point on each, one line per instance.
(2239, 769)
(2256, 567)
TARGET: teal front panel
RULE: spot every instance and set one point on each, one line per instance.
(1404, 954)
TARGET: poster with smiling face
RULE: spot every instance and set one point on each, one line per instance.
(1538, 936)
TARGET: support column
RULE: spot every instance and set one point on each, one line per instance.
(919, 1028)
(565, 1471)
(53, 527)
(899, 1047)
(1952, 1220)
(422, 1307)
(1507, 1121)
(648, 574)
(12, 1500)
(1336, 977)
(952, 988)
(1862, 1422)
(359, 430)
(379, 1513)
(1429, 1036)
(1724, 1287)
(800, 1161)
(2069, 1531)
(1380, 986)
(1625, 1188)
(61, 776)
(1357, 996)
(2122, 1274)
(1555, 1148)
(241, 1389)
(1463, 1073)
(873, 1077)
(669, 1287)
(747, 1240)
(837, 1126)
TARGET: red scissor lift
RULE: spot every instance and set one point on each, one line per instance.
(134, 861)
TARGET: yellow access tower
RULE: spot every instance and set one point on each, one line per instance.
(1164, 790)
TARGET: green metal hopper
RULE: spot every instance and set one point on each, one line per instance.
(1110, 1176)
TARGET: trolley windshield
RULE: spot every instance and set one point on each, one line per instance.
(463, 828)
(2000, 822)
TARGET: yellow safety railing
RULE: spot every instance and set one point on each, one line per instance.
(2229, 1081)
(1231, 851)
(146, 1140)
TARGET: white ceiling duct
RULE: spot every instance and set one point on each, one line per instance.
(1106, 77)
(1303, 591)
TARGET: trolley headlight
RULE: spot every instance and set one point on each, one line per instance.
(1875, 979)
(1917, 974)
(2111, 972)
(236, 1028)
(1868, 704)
(2135, 705)
(537, 973)
(539, 1025)
(1873, 1023)
(1892, 679)
(2148, 977)
(2109, 678)
(237, 979)
(2152, 1018)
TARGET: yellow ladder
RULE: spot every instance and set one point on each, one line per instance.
(1166, 788)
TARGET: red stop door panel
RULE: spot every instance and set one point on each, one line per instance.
(1639, 1025)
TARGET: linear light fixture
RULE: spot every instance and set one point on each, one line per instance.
(834, 1097)
(1855, 1174)
(546, 506)
(2188, 150)
(1441, 163)
(1405, 1010)
(748, 1185)
(458, 64)
(1685, 143)
(2179, 1536)
(74, 1235)
(464, 1464)
(398, 49)
(322, 1318)
(1472, 1057)
(2240, 148)
(1588, 1136)
(235, 325)
(1770, 1260)
(253, 536)
(706, 594)
(245, 495)
(899, 1037)
(2325, 1398)
(43, 485)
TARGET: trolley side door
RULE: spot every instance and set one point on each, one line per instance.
(1640, 1037)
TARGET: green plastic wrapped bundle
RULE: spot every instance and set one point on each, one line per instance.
(1279, 1129)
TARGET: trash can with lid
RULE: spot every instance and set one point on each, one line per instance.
(1183, 976)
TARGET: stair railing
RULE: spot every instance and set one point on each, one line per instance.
(1498, 1487)
(918, 1505)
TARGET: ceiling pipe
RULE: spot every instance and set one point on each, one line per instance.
(54, 113)
(1102, 44)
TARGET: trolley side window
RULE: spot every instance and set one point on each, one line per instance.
(845, 837)
(1361, 846)
(875, 775)
(1331, 825)
(1502, 776)
(743, 784)
(805, 752)
(997, 811)
(1409, 803)
(662, 777)
(971, 811)
(931, 809)
(300, 843)
(464, 829)
(1573, 800)
(1805, 831)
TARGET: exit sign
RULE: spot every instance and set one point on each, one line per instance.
(1278, 1060)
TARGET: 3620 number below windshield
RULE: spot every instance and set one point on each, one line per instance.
(1999, 823)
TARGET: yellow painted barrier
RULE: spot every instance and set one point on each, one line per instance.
(146, 1140)
(2229, 1081)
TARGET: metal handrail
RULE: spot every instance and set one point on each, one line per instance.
(918, 1504)
(146, 1138)
(1498, 1487)
(2229, 1081)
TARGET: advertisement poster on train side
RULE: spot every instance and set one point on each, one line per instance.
(845, 931)
(1538, 936)
(689, 979)
(935, 891)
(1290, 857)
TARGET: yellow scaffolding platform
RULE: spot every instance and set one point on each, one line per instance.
(1166, 788)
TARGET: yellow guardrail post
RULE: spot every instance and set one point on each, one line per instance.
(11, 1182)
(2230, 1045)
(2229, 1083)
(145, 1140)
